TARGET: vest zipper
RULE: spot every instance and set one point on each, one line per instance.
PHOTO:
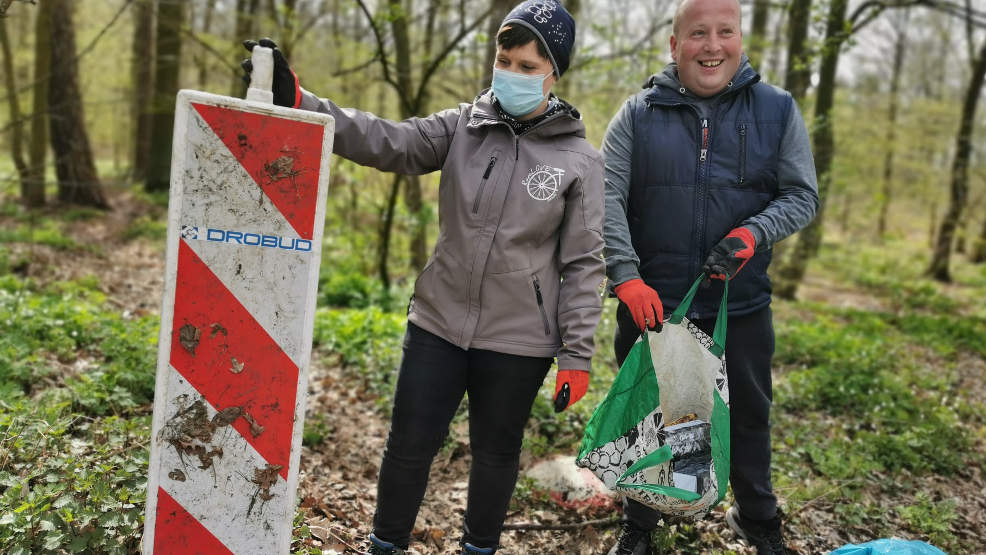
(544, 315)
(705, 140)
(742, 160)
(482, 184)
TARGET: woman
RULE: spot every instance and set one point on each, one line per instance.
(513, 280)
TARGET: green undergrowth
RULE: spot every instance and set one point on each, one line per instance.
(76, 383)
(368, 342)
(868, 402)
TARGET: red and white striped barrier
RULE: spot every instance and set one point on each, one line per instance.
(247, 208)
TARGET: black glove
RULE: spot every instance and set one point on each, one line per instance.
(285, 86)
(729, 256)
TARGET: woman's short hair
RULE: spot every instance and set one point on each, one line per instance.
(512, 36)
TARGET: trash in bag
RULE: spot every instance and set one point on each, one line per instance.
(889, 547)
(661, 436)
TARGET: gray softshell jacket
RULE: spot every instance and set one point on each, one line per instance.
(518, 260)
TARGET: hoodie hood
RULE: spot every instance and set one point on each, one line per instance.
(566, 121)
(667, 86)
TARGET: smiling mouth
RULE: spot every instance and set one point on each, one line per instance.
(710, 63)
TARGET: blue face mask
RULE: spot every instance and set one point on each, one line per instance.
(518, 94)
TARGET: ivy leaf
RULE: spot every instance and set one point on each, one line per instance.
(53, 541)
(110, 520)
(48, 525)
(79, 543)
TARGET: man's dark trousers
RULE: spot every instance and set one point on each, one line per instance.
(749, 349)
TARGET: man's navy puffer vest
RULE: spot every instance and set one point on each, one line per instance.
(685, 197)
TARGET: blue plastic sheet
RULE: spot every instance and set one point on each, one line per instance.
(889, 547)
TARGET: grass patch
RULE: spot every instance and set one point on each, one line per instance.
(45, 232)
(155, 229)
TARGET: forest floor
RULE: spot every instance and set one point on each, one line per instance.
(829, 494)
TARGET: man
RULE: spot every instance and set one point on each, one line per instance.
(706, 169)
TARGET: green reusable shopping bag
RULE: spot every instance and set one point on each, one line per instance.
(666, 376)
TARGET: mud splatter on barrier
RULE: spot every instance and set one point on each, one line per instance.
(189, 337)
(255, 429)
(265, 478)
(237, 366)
(218, 328)
(190, 432)
(177, 475)
(226, 416)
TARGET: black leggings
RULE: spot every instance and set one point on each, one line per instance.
(749, 349)
(434, 375)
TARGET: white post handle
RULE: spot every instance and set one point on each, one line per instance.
(262, 76)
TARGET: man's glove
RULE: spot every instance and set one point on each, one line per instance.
(570, 386)
(644, 304)
(285, 86)
(730, 255)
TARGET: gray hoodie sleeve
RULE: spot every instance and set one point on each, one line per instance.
(414, 146)
(797, 193)
(580, 248)
(621, 259)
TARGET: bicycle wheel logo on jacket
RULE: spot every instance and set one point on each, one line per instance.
(543, 182)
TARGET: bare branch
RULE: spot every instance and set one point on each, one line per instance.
(602, 523)
(82, 52)
(866, 12)
(382, 51)
(359, 67)
(629, 51)
(219, 55)
(4, 4)
(437, 61)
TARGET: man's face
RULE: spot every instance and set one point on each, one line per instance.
(707, 44)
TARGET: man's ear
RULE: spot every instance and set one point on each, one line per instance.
(674, 51)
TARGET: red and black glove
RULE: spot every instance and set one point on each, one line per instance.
(287, 91)
(570, 386)
(644, 304)
(730, 255)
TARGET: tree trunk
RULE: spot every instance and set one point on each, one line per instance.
(797, 75)
(979, 248)
(74, 165)
(16, 125)
(288, 32)
(409, 108)
(141, 71)
(960, 172)
(500, 9)
(888, 159)
(38, 149)
(244, 30)
(210, 8)
(386, 228)
(810, 238)
(756, 43)
(167, 58)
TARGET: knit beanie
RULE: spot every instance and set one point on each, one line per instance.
(552, 24)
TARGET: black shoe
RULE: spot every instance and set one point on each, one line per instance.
(632, 541)
(470, 549)
(765, 535)
(381, 547)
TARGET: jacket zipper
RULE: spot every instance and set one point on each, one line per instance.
(701, 192)
(482, 185)
(544, 315)
(742, 160)
(705, 140)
